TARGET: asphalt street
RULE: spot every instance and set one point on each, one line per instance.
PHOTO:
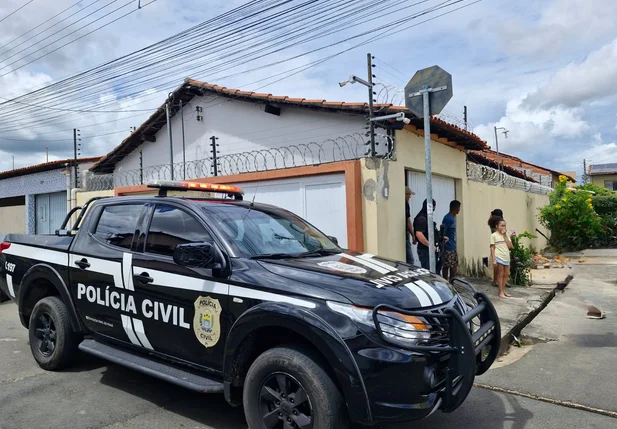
(99, 395)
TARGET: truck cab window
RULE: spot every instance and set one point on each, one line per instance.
(172, 226)
(117, 224)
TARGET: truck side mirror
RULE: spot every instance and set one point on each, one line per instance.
(194, 254)
(333, 239)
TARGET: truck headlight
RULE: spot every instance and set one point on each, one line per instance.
(399, 328)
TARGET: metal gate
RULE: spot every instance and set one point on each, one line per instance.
(50, 212)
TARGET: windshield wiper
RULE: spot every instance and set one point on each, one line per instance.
(312, 253)
(275, 256)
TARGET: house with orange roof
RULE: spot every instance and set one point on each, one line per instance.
(312, 157)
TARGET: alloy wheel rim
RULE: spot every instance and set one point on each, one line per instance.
(46, 334)
(284, 403)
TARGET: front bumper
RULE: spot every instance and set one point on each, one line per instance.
(411, 383)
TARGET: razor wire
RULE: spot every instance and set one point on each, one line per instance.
(343, 148)
(389, 94)
(493, 177)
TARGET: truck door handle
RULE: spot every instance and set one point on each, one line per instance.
(83, 263)
(143, 278)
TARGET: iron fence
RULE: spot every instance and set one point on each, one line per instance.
(343, 148)
(491, 176)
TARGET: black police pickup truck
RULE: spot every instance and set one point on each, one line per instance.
(228, 296)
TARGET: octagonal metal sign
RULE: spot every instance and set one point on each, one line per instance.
(434, 77)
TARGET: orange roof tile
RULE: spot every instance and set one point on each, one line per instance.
(46, 166)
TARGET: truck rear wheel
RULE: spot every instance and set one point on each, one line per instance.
(286, 389)
(52, 340)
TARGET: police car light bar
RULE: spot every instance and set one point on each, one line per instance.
(166, 185)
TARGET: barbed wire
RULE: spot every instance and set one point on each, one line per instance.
(491, 176)
(343, 148)
(455, 119)
(389, 94)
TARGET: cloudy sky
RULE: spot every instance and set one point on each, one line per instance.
(544, 70)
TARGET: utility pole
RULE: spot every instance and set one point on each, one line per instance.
(497, 143)
(215, 161)
(183, 143)
(169, 134)
(46, 154)
(465, 116)
(369, 84)
(75, 157)
(141, 167)
(369, 63)
(584, 171)
(13, 162)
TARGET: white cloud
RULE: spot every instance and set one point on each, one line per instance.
(580, 83)
(561, 25)
(541, 40)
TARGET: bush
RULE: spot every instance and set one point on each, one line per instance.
(608, 237)
(571, 218)
(597, 190)
(605, 204)
(520, 260)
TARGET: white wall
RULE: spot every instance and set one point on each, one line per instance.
(244, 126)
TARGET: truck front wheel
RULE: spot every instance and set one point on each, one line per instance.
(52, 340)
(286, 389)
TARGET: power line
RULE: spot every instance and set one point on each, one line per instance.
(45, 22)
(392, 67)
(258, 52)
(15, 11)
(74, 40)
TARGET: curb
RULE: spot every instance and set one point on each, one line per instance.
(525, 319)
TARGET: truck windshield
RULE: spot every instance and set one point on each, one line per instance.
(267, 232)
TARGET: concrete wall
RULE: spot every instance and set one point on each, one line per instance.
(82, 197)
(520, 212)
(384, 191)
(383, 202)
(599, 180)
(244, 126)
(12, 220)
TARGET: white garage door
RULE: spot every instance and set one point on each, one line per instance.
(444, 191)
(320, 200)
(50, 212)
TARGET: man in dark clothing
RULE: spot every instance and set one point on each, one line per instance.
(420, 226)
(410, 237)
(450, 257)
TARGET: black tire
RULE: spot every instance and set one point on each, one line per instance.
(52, 340)
(301, 371)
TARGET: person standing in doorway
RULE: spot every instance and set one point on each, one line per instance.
(410, 236)
(500, 253)
(450, 257)
(420, 226)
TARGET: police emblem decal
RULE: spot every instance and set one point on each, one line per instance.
(207, 321)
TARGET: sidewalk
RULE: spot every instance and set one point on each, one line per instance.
(592, 257)
(526, 302)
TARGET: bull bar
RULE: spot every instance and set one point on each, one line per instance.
(465, 347)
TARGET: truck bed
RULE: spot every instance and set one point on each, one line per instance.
(43, 241)
(26, 251)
